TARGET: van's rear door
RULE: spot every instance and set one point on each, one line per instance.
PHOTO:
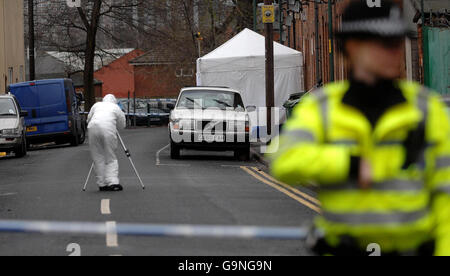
(28, 98)
(53, 109)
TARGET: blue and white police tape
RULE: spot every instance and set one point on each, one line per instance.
(154, 230)
(143, 114)
(160, 100)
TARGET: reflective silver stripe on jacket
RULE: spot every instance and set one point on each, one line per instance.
(443, 188)
(390, 185)
(299, 135)
(442, 163)
(292, 137)
(390, 143)
(345, 142)
(375, 218)
(324, 111)
(422, 104)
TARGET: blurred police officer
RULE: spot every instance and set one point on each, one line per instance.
(377, 147)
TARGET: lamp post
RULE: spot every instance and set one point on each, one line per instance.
(31, 46)
(330, 36)
(268, 19)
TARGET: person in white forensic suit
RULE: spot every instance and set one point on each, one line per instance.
(104, 120)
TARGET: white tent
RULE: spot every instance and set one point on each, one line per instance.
(240, 64)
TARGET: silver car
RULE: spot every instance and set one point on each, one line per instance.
(210, 118)
(12, 127)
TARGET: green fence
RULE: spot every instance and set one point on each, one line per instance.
(437, 59)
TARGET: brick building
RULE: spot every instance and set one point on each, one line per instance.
(118, 76)
(160, 73)
(308, 32)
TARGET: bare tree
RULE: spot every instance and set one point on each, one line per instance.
(144, 24)
(76, 31)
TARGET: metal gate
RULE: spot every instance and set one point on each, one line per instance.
(437, 63)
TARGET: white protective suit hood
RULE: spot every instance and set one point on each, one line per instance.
(110, 99)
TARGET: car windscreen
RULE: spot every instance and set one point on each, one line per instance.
(7, 107)
(210, 99)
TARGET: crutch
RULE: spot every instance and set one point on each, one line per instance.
(89, 176)
(127, 152)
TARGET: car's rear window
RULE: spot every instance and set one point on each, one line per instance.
(210, 99)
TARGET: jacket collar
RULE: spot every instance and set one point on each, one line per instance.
(401, 113)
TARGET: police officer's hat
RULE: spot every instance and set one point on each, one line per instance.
(362, 20)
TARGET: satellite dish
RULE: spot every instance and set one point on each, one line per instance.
(74, 3)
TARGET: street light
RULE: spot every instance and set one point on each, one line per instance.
(199, 38)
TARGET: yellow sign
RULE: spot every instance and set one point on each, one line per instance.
(268, 12)
(31, 129)
(2, 154)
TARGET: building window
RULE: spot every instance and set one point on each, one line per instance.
(10, 75)
(22, 73)
(183, 73)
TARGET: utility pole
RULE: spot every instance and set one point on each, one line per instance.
(280, 11)
(316, 19)
(199, 38)
(255, 12)
(268, 20)
(424, 52)
(330, 36)
(31, 40)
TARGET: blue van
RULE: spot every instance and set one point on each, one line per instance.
(53, 111)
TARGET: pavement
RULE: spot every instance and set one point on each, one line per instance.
(203, 188)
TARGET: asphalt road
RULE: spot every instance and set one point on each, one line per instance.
(201, 188)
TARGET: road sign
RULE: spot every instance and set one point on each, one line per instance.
(268, 12)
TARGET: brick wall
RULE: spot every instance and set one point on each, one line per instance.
(162, 80)
(117, 77)
(302, 37)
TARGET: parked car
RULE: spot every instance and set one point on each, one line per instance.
(12, 126)
(207, 118)
(53, 111)
(148, 112)
(292, 102)
(152, 116)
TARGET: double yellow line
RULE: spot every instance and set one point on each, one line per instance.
(299, 196)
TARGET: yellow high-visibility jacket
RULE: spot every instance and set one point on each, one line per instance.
(405, 207)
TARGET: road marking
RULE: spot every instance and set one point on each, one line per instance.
(175, 165)
(282, 190)
(104, 207)
(300, 193)
(111, 234)
(231, 166)
(8, 194)
(158, 161)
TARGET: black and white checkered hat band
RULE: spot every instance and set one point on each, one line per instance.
(381, 27)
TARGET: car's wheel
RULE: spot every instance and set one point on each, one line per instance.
(242, 154)
(174, 151)
(74, 142)
(82, 136)
(21, 151)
